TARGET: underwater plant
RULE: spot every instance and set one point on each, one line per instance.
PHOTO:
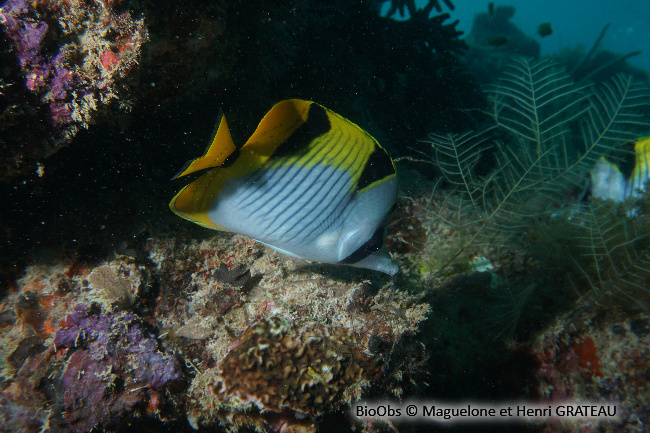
(550, 133)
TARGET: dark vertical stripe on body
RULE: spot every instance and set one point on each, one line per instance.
(284, 203)
(336, 211)
(309, 219)
(314, 191)
(330, 143)
(335, 215)
(276, 177)
(316, 125)
(378, 166)
(292, 183)
(356, 156)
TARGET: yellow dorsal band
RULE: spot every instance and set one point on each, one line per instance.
(277, 126)
(220, 148)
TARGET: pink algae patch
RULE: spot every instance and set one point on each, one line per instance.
(108, 59)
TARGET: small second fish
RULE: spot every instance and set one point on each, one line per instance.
(607, 181)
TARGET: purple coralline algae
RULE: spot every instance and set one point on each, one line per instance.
(115, 367)
(72, 54)
(27, 36)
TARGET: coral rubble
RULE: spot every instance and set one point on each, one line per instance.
(91, 366)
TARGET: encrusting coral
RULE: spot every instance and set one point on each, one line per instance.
(595, 356)
(290, 371)
(97, 369)
(115, 365)
(74, 57)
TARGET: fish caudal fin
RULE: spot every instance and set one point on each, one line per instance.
(220, 148)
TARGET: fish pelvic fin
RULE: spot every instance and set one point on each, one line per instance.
(220, 148)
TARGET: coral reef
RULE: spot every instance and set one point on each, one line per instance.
(513, 285)
(115, 366)
(325, 339)
(99, 368)
(110, 343)
(561, 273)
(494, 41)
(74, 57)
(596, 356)
(407, 234)
(199, 57)
(532, 165)
(28, 401)
(50, 355)
(288, 374)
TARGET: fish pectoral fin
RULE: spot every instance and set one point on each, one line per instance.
(220, 148)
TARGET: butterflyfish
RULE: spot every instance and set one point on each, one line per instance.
(308, 183)
(608, 182)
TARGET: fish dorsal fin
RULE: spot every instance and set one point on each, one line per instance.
(277, 126)
(220, 148)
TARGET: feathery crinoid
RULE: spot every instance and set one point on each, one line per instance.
(551, 132)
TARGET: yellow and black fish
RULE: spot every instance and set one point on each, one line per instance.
(308, 183)
(607, 181)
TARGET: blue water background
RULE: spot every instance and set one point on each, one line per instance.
(574, 23)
